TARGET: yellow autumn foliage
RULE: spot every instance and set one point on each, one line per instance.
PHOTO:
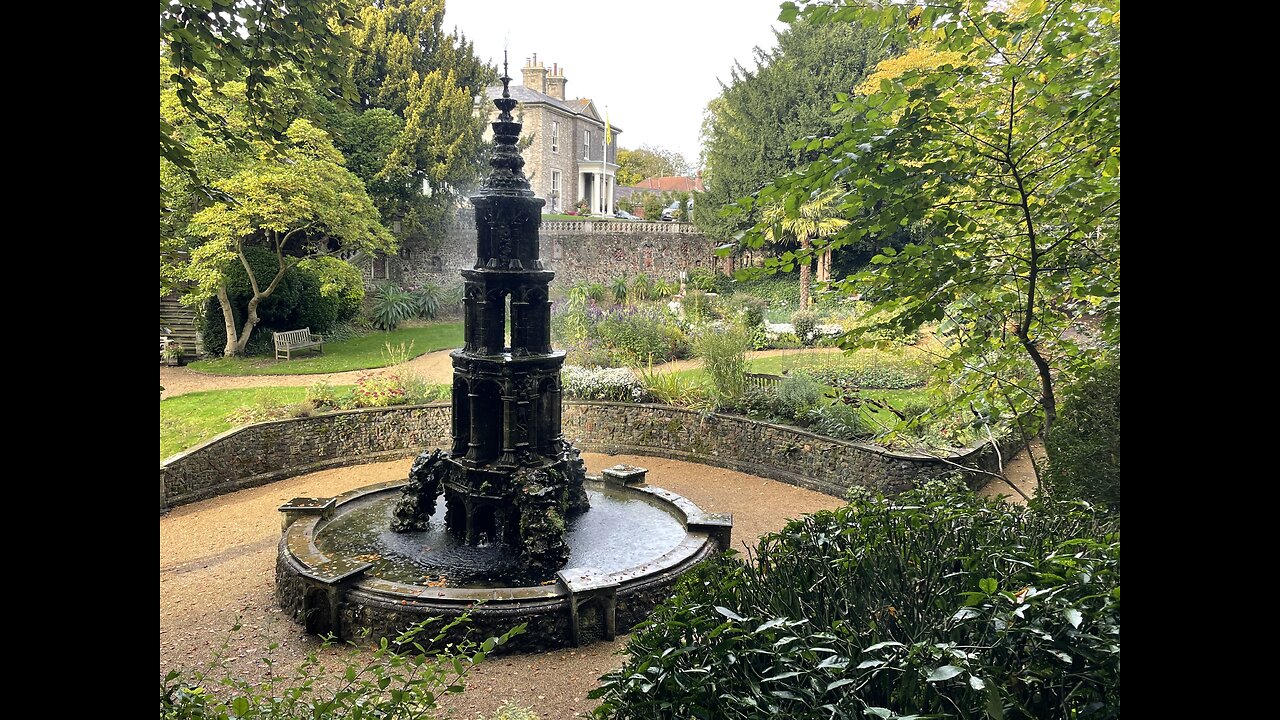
(921, 57)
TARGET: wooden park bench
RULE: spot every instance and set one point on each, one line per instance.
(287, 342)
(763, 381)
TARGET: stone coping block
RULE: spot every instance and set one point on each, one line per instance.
(625, 474)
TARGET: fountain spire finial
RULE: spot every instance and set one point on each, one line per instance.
(506, 161)
(506, 79)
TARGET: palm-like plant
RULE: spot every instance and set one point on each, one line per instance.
(817, 218)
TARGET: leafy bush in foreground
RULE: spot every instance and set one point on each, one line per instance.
(403, 678)
(935, 603)
(1084, 443)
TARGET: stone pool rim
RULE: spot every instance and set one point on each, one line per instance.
(329, 595)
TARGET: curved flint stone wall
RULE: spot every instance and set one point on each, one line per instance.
(581, 606)
(269, 451)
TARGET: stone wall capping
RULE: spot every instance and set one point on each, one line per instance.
(276, 449)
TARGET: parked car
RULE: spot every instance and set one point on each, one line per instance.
(669, 212)
(624, 215)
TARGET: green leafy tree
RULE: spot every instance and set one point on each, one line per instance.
(413, 135)
(649, 161)
(816, 218)
(213, 156)
(209, 43)
(1011, 158)
(748, 130)
(303, 204)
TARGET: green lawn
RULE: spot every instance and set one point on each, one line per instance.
(775, 365)
(190, 419)
(561, 216)
(778, 364)
(364, 352)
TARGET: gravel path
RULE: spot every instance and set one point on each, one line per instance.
(1020, 472)
(217, 563)
(434, 367)
(678, 365)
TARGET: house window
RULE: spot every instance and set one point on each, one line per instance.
(555, 190)
(586, 145)
(397, 227)
(378, 270)
(555, 136)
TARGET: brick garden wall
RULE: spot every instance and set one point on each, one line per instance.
(265, 452)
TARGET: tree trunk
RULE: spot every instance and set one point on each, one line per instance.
(250, 322)
(229, 320)
(1048, 402)
(805, 262)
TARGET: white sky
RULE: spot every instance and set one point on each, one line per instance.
(655, 64)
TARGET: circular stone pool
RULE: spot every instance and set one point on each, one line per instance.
(342, 570)
(620, 531)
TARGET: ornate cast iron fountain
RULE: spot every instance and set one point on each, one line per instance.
(510, 476)
(516, 508)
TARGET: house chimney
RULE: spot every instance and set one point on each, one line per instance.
(534, 75)
(555, 83)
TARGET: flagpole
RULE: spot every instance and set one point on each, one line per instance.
(604, 162)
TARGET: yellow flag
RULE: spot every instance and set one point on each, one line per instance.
(608, 131)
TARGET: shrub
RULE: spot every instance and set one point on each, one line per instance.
(314, 309)
(570, 323)
(617, 384)
(652, 205)
(665, 288)
(321, 394)
(594, 356)
(840, 421)
(636, 335)
(697, 307)
(805, 324)
(401, 678)
(798, 394)
(673, 389)
(282, 310)
(936, 603)
(429, 300)
(761, 403)
(1084, 442)
(749, 310)
(786, 341)
(619, 289)
(212, 326)
(779, 291)
(879, 372)
(643, 289)
(339, 281)
(378, 390)
(392, 306)
(702, 279)
(724, 358)
(278, 309)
